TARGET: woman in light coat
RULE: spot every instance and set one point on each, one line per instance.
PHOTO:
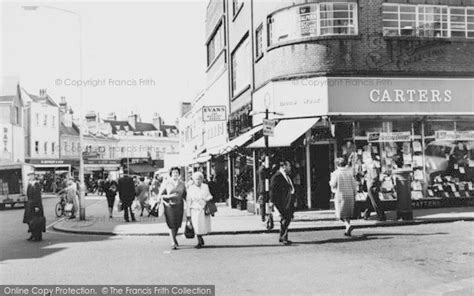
(344, 186)
(198, 195)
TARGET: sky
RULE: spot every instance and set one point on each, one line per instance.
(137, 56)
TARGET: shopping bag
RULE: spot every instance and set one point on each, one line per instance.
(189, 230)
(119, 206)
(136, 205)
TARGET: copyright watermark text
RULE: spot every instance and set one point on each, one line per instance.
(105, 82)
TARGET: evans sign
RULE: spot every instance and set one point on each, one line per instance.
(214, 113)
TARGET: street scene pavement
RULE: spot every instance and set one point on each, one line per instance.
(423, 259)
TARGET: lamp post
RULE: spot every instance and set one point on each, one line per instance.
(267, 158)
(82, 208)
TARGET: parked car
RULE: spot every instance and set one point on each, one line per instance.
(438, 153)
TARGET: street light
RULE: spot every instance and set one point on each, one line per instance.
(267, 158)
(82, 207)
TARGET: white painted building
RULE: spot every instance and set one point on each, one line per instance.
(12, 144)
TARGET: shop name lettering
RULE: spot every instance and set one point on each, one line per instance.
(295, 102)
(410, 96)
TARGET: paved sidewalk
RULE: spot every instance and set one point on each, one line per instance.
(232, 221)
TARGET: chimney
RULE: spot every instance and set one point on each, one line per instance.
(91, 116)
(185, 108)
(112, 116)
(157, 121)
(132, 120)
(42, 92)
(63, 105)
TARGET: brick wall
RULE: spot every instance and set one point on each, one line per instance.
(369, 53)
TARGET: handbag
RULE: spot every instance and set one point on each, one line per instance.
(210, 208)
(189, 230)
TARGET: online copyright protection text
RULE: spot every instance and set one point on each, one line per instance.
(124, 290)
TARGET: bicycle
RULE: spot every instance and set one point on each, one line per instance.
(63, 207)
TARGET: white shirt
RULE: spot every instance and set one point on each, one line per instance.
(288, 179)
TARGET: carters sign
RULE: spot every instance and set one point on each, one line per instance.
(401, 96)
(214, 113)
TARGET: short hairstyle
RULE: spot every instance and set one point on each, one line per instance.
(341, 162)
(198, 175)
(175, 169)
(283, 162)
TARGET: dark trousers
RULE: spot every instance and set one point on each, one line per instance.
(263, 201)
(284, 224)
(126, 208)
(374, 202)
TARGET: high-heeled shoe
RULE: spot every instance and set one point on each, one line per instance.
(198, 246)
(174, 247)
(348, 232)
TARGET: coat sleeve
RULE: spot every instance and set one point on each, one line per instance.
(207, 194)
(274, 188)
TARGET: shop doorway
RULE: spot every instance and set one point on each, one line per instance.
(322, 164)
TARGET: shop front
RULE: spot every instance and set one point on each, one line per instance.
(425, 125)
(52, 173)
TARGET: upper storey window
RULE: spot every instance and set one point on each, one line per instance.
(215, 44)
(312, 20)
(428, 21)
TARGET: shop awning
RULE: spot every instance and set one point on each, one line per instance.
(240, 140)
(141, 168)
(286, 132)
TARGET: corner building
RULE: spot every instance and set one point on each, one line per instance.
(370, 80)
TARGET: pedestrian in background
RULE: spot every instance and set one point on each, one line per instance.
(173, 194)
(282, 196)
(372, 178)
(142, 194)
(34, 213)
(198, 196)
(110, 189)
(126, 189)
(262, 196)
(344, 186)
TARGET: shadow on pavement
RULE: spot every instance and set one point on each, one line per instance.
(19, 248)
(402, 234)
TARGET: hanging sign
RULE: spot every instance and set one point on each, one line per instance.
(269, 127)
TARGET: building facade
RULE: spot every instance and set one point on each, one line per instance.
(12, 128)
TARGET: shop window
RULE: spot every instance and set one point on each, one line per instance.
(465, 125)
(432, 126)
(364, 127)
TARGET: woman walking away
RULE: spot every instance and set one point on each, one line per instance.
(173, 194)
(110, 189)
(198, 195)
(142, 195)
(344, 186)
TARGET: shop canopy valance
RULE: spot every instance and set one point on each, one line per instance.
(141, 168)
(286, 132)
(240, 141)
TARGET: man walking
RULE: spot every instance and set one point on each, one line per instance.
(372, 178)
(282, 195)
(126, 189)
(262, 196)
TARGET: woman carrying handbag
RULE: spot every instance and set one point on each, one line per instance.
(198, 196)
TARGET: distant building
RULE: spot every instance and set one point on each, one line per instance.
(12, 128)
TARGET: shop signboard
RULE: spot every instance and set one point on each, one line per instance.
(455, 135)
(214, 113)
(51, 161)
(102, 161)
(269, 127)
(357, 95)
(389, 137)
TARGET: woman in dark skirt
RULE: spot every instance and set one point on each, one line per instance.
(173, 195)
(110, 188)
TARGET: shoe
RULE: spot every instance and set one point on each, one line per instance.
(141, 215)
(126, 220)
(110, 217)
(72, 217)
(286, 242)
(198, 246)
(30, 238)
(133, 220)
(383, 219)
(348, 232)
(174, 247)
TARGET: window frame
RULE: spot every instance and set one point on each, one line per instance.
(236, 10)
(420, 9)
(236, 93)
(259, 43)
(219, 26)
(353, 8)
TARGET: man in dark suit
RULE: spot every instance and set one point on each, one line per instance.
(282, 196)
(34, 214)
(126, 189)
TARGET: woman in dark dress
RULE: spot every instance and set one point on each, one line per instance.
(110, 188)
(173, 195)
(34, 214)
